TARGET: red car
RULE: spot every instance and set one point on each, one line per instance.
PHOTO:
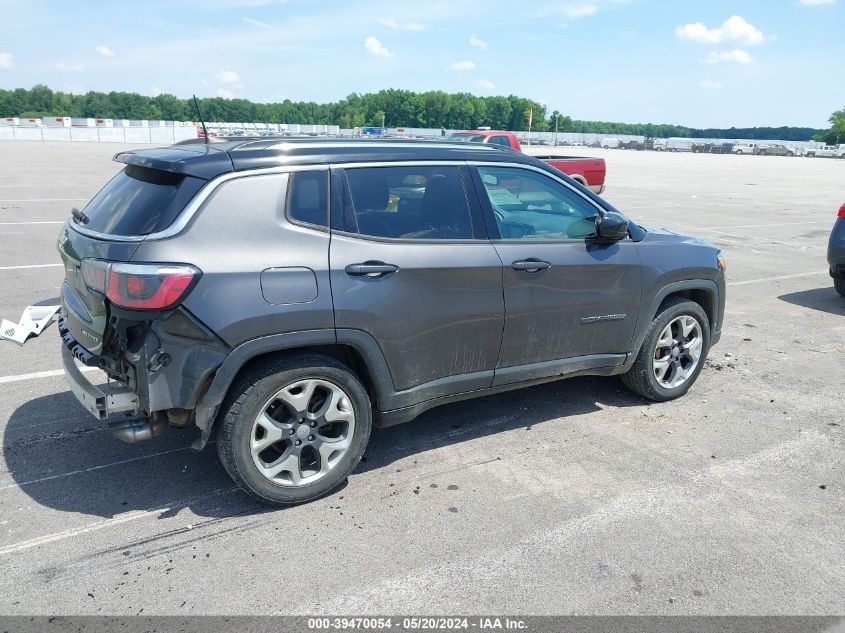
(590, 172)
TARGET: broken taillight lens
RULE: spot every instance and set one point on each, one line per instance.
(140, 286)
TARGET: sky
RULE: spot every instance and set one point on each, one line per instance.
(701, 63)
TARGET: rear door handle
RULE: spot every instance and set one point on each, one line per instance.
(370, 269)
(531, 265)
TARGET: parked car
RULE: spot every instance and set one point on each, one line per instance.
(702, 148)
(775, 149)
(610, 143)
(590, 172)
(745, 148)
(836, 252)
(722, 148)
(425, 273)
(678, 145)
(826, 151)
(634, 145)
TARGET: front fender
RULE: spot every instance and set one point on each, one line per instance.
(715, 292)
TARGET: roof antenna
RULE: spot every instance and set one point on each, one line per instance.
(199, 115)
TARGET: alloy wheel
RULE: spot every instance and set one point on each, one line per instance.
(677, 352)
(302, 432)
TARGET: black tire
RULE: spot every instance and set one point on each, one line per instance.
(839, 284)
(247, 398)
(640, 377)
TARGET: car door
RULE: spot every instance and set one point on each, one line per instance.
(570, 301)
(411, 266)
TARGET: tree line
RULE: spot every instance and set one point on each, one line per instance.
(836, 134)
(397, 108)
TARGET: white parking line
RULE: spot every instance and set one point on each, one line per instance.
(41, 199)
(41, 222)
(93, 468)
(751, 226)
(778, 278)
(118, 520)
(31, 266)
(39, 374)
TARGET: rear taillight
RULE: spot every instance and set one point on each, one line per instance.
(140, 286)
(841, 213)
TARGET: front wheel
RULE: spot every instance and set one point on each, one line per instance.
(839, 284)
(673, 352)
(294, 429)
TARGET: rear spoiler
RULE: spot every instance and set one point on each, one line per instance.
(199, 161)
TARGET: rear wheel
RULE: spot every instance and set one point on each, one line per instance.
(839, 284)
(673, 352)
(294, 429)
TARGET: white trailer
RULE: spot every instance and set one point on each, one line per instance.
(10, 120)
(56, 121)
(104, 123)
(82, 122)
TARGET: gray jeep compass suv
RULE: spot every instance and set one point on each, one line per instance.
(289, 295)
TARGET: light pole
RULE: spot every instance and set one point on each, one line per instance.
(555, 141)
(383, 131)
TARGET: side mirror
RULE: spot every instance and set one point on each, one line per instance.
(612, 226)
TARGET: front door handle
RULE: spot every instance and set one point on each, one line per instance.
(531, 265)
(370, 269)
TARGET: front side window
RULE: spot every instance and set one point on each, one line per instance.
(530, 206)
(418, 202)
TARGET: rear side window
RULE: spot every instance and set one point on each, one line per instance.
(417, 202)
(308, 200)
(139, 201)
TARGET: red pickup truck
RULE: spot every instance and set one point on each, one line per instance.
(590, 172)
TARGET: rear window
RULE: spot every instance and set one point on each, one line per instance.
(140, 200)
(466, 138)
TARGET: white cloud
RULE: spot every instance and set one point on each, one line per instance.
(105, 51)
(817, 3)
(484, 84)
(156, 91)
(376, 48)
(6, 62)
(733, 30)
(478, 43)
(226, 94)
(579, 10)
(399, 26)
(710, 84)
(736, 55)
(263, 25)
(228, 77)
(462, 65)
(69, 67)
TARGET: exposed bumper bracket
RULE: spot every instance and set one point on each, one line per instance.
(99, 403)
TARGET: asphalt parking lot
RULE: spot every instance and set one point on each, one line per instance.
(572, 497)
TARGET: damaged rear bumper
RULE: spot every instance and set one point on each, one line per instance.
(98, 402)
